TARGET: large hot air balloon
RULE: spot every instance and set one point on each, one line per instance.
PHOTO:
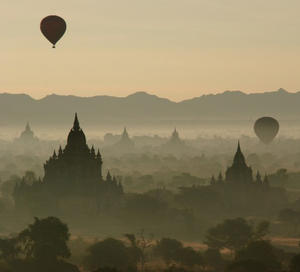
(53, 28)
(266, 129)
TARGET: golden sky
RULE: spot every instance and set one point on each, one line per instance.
(172, 48)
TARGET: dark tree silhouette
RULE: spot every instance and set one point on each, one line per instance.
(234, 234)
(139, 246)
(168, 249)
(187, 256)
(46, 240)
(9, 249)
(260, 251)
(213, 258)
(295, 263)
(247, 266)
(109, 253)
(290, 217)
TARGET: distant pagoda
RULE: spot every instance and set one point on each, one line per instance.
(27, 135)
(239, 173)
(174, 144)
(125, 143)
(175, 139)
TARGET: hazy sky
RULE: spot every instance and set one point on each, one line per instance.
(172, 48)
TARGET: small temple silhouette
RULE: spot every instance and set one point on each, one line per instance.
(125, 143)
(27, 135)
(239, 172)
(74, 170)
(175, 139)
(174, 144)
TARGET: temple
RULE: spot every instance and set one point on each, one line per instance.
(125, 144)
(239, 172)
(174, 145)
(74, 170)
(27, 136)
(76, 165)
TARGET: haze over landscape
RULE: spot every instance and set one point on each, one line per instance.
(150, 136)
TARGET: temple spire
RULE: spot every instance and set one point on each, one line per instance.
(76, 123)
(239, 157)
(27, 128)
(54, 155)
(108, 176)
(125, 133)
(93, 151)
(98, 154)
(60, 152)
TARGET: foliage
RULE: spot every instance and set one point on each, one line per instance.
(213, 258)
(234, 234)
(290, 217)
(139, 247)
(247, 266)
(39, 247)
(109, 253)
(9, 249)
(260, 251)
(46, 239)
(295, 263)
(187, 256)
(168, 249)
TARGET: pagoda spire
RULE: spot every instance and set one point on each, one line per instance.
(108, 176)
(60, 152)
(27, 128)
(54, 155)
(93, 151)
(239, 157)
(76, 123)
(125, 134)
(258, 178)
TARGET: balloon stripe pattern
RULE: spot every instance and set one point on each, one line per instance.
(53, 28)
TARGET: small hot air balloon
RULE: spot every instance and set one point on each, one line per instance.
(53, 28)
(266, 129)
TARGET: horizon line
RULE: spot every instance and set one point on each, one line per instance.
(149, 93)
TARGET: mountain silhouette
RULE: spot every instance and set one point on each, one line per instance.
(17, 109)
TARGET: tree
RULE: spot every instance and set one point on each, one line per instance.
(40, 247)
(291, 217)
(139, 246)
(109, 253)
(295, 263)
(187, 256)
(260, 251)
(213, 258)
(9, 249)
(247, 266)
(46, 240)
(168, 249)
(261, 230)
(107, 269)
(234, 234)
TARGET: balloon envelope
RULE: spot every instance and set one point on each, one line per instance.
(53, 28)
(266, 129)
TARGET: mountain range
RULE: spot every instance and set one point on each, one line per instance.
(140, 107)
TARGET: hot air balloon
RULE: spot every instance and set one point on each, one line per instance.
(53, 28)
(266, 129)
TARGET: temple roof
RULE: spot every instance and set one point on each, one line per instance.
(239, 157)
(76, 136)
